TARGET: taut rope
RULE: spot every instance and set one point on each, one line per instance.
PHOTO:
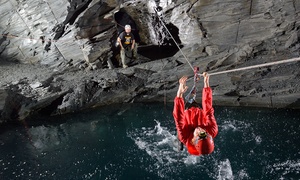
(174, 40)
(256, 66)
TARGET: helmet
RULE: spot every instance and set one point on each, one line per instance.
(127, 26)
(202, 135)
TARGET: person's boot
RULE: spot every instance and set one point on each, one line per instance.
(180, 145)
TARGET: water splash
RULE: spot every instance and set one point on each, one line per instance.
(158, 142)
(225, 170)
(161, 145)
(284, 169)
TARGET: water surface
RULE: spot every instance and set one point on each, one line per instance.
(137, 141)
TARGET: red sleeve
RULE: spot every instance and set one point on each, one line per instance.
(212, 127)
(178, 114)
(206, 99)
(208, 110)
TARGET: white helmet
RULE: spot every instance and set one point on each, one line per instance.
(127, 26)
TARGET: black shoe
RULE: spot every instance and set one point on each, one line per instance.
(179, 146)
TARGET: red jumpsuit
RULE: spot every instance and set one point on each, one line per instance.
(187, 120)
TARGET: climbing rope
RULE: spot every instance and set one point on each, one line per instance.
(256, 66)
(174, 40)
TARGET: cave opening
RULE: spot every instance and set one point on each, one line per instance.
(51, 108)
(166, 48)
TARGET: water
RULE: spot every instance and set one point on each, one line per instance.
(137, 141)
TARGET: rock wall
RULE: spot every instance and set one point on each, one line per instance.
(60, 56)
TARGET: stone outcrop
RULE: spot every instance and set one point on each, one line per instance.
(60, 56)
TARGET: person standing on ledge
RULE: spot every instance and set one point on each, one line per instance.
(126, 40)
(196, 127)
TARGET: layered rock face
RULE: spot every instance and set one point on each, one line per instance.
(61, 56)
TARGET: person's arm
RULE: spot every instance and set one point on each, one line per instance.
(182, 86)
(132, 46)
(206, 94)
(178, 111)
(133, 41)
(212, 127)
(120, 40)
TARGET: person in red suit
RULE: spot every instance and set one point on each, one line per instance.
(196, 127)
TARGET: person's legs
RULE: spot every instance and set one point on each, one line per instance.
(135, 51)
(122, 53)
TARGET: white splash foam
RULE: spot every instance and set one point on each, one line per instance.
(286, 167)
(242, 174)
(158, 142)
(190, 160)
(225, 170)
(258, 139)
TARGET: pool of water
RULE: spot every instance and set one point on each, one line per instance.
(138, 141)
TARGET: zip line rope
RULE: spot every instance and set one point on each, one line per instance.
(256, 66)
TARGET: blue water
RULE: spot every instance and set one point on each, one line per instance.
(137, 141)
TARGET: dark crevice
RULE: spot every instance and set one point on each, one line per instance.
(75, 9)
(4, 37)
(50, 109)
(231, 93)
(192, 5)
(13, 103)
(154, 52)
(167, 47)
(91, 88)
(94, 21)
(179, 63)
(175, 34)
(48, 45)
(204, 31)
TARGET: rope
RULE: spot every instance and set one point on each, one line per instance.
(191, 96)
(256, 66)
(174, 40)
